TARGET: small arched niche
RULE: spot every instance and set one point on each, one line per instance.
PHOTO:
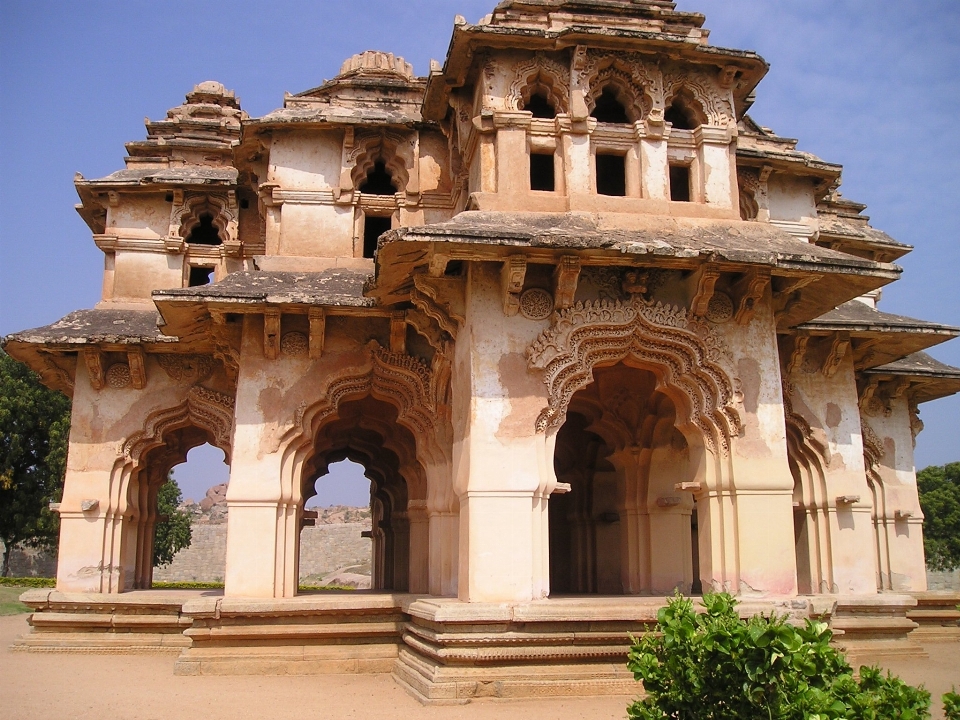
(609, 107)
(379, 181)
(539, 105)
(204, 232)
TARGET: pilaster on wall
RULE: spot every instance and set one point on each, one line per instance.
(822, 401)
(888, 440)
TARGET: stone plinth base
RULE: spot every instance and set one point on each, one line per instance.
(348, 632)
(441, 650)
(937, 616)
(873, 626)
(145, 621)
(455, 652)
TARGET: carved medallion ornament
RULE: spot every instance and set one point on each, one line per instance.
(294, 344)
(118, 376)
(187, 368)
(720, 308)
(536, 304)
(684, 352)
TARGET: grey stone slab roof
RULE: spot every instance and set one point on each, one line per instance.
(856, 315)
(84, 327)
(188, 174)
(918, 364)
(334, 115)
(338, 286)
(656, 235)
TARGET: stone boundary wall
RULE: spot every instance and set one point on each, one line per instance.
(324, 550)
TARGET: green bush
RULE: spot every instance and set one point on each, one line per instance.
(28, 582)
(951, 705)
(715, 666)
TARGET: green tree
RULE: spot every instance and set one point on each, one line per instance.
(939, 487)
(173, 524)
(34, 430)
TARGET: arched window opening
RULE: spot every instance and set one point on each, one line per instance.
(192, 505)
(373, 227)
(623, 528)
(365, 432)
(680, 117)
(608, 109)
(205, 232)
(379, 181)
(335, 543)
(540, 106)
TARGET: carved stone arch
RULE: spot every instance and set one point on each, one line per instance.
(207, 409)
(700, 95)
(683, 352)
(635, 100)
(222, 209)
(540, 73)
(386, 146)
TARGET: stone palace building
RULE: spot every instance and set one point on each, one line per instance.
(594, 334)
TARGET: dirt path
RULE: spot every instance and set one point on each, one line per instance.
(41, 686)
(38, 686)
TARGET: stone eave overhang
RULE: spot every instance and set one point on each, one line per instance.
(791, 161)
(93, 210)
(929, 378)
(52, 350)
(328, 117)
(467, 39)
(879, 338)
(667, 242)
(338, 291)
(365, 80)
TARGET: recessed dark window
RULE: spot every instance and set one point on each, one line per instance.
(373, 227)
(611, 175)
(200, 275)
(608, 109)
(541, 107)
(244, 204)
(541, 172)
(678, 116)
(378, 181)
(205, 232)
(680, 183)
(454, 268)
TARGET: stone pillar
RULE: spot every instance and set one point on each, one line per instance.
(419, 581)
(575, 140)
(500, 461)
(653, 163)
(262, 520)
(513, 160)
(717, 157)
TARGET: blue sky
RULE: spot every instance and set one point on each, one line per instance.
(870, 85)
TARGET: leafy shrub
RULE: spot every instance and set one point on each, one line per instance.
(28, 582)
(715, 666)
(951, 705)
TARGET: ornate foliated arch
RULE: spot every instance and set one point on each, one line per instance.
(540, 73)
(206, 409)
(628, 92)
(702, 94)
(185, 216)
(386, 146)
(683, 352)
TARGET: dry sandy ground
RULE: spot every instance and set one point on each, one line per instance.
(35, 686)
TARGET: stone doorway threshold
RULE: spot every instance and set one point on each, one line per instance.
(441, 650)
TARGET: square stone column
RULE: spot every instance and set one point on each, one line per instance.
(501, 468)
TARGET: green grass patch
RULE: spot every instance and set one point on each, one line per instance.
(28, 582)
(9, 600)
(219, 586)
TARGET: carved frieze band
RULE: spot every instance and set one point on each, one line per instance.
(685, 351)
